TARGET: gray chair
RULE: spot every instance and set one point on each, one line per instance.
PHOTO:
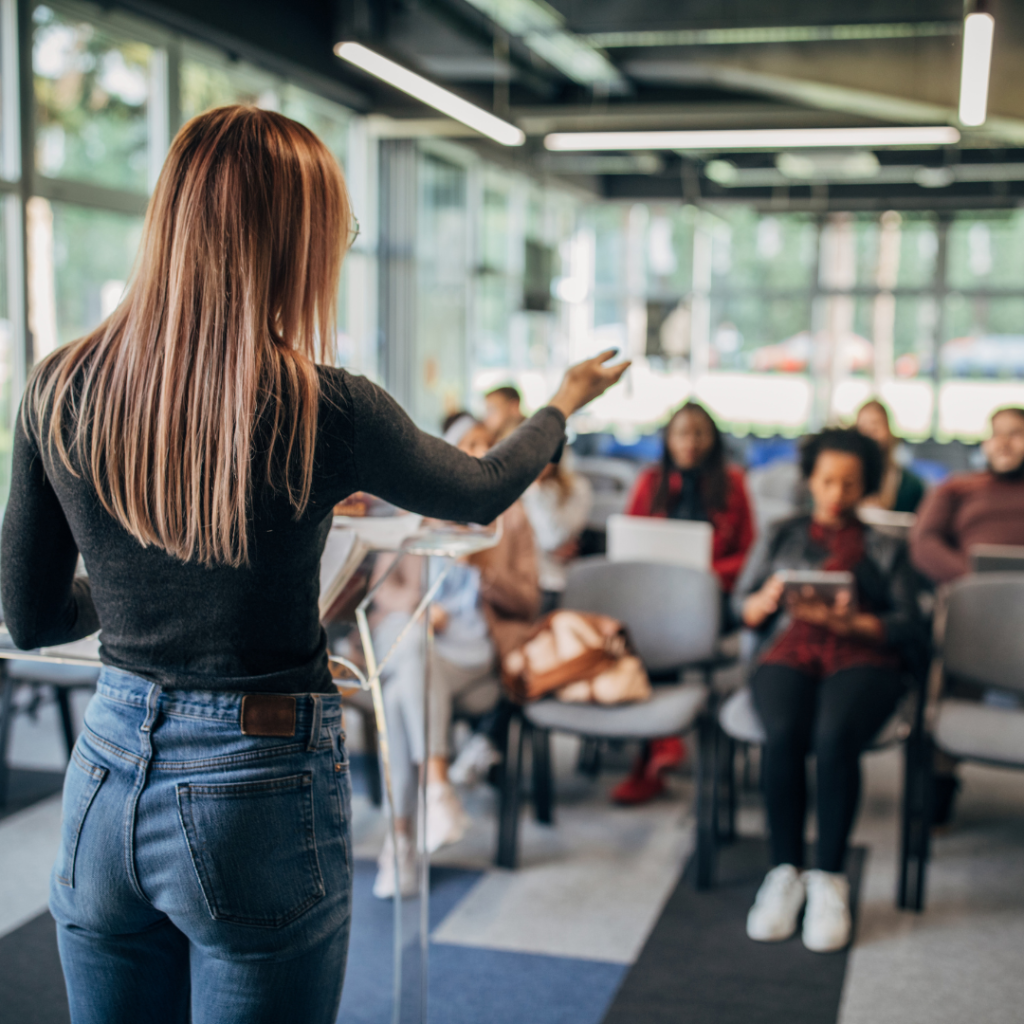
(984, 649)
(611, 480)
(673, 618)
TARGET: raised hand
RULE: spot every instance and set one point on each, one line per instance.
(583, 382)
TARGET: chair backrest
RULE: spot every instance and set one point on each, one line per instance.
(673, 614)
(984, 640)
(611, 480)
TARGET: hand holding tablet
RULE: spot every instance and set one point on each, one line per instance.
(805, 586)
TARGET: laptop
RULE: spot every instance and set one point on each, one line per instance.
(664, 541)
(996, 558)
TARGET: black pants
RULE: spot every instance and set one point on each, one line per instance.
(836, 718)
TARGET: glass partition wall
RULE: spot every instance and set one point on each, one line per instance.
(782, 322)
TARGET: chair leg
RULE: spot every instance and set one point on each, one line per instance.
(748, 769)
(589, 763)
(915, 837)
(507, 855)
(67, 724)
(543, 784)
(706, 800)
(727, 833)
(374, 785)
(7, 686)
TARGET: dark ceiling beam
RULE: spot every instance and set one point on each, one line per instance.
(533, 74)
(297, 47)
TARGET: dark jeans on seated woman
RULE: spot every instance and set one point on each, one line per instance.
(836, 718)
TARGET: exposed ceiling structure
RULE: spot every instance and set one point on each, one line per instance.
(612, 65)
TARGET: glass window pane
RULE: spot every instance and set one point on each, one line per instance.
(984, 337)
(79, 262)
(6, 364)
(442, 269)
(767, 335)
(329, 121)
(91, 95)
(207, 82)
(892, 251)
(919, 246)
(752, 250)
(986, 251)
(669, 251)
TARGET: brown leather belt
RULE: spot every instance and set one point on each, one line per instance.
(268, 714)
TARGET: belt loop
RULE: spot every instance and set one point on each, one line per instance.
(152, 707)
(314, 728)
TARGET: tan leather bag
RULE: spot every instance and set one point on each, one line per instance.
(580, 657)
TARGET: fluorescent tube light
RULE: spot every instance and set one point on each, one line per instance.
(755, 138)
(433, 95)
(978, 31)
(543, 30)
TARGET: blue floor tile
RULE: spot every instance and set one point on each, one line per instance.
(467, 985)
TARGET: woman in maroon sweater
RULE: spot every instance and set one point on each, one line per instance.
(692, 482)
(974, 508)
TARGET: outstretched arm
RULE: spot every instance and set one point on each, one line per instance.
(397, 461)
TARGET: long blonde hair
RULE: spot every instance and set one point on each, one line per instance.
(230, 304)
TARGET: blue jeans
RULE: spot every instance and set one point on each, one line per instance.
(204, 875)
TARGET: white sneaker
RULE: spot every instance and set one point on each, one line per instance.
(777, 905)
(475, 760)
(827, 917)
(384, 883)
(446, 820)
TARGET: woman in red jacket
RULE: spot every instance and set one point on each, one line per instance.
(692, 482)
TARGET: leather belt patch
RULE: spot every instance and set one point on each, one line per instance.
(268, 714)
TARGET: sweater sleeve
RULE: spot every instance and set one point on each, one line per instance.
(43, 602)
(402, 464)
(757, 568)
(931, 547)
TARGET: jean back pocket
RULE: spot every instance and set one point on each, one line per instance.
(81, 784)
(254, 848)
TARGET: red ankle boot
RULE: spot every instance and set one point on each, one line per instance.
(644, 782)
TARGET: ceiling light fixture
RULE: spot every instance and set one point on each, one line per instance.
(979, 29)
(433, 95)
(542, 29)
(755, 138)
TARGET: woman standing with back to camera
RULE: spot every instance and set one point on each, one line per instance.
(192, 449)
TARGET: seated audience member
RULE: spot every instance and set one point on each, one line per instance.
(558, 506)
(452, 418)
(969, 509)
(483, 610)
(974, 508)
(826, 679)
(503, 411)
(901, 490)
(692, 482)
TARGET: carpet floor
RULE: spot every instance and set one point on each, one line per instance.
(699, 962)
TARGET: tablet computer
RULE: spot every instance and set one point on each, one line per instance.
(817, 584)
